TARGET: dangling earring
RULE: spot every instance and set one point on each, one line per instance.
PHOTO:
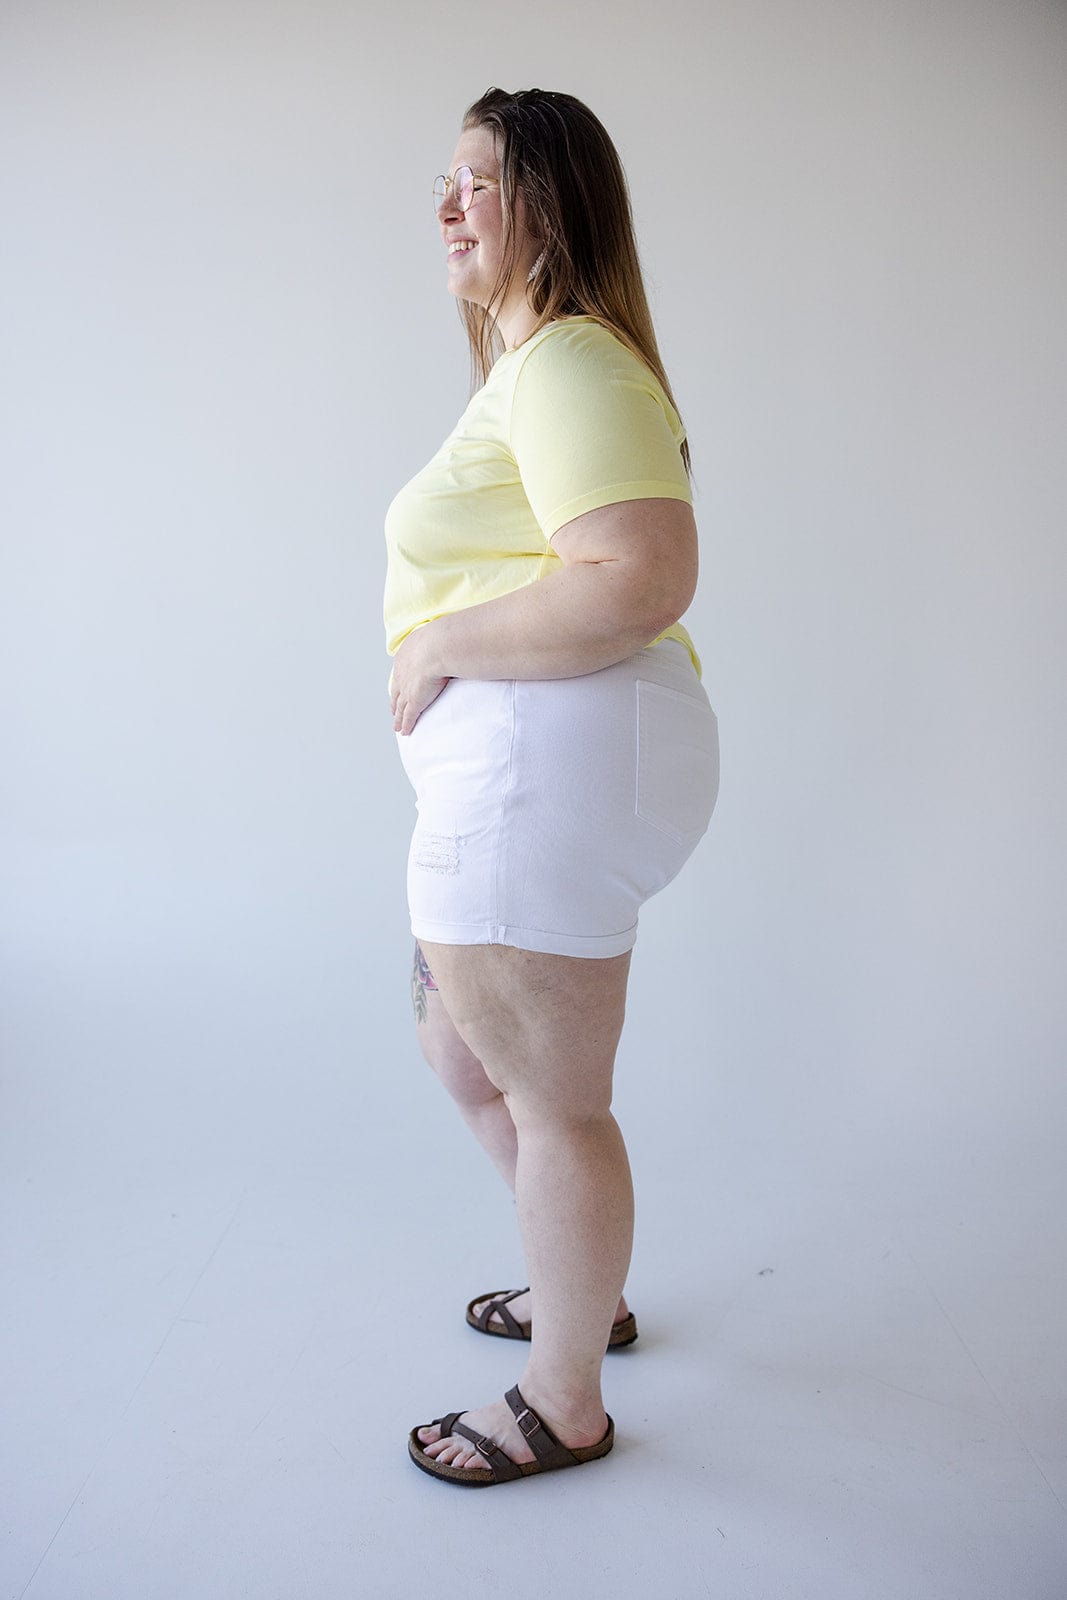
(533, 270)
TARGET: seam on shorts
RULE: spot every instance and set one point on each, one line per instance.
(499, 843)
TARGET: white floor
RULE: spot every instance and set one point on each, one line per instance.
(234, 1278)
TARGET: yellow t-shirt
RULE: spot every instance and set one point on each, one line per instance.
(566, 422)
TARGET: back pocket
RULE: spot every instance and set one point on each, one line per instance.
(677, 761)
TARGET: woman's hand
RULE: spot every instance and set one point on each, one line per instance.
(412, 685)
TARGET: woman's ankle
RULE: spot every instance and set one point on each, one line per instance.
(561, 1406)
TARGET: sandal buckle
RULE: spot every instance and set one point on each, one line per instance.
(526, 1431)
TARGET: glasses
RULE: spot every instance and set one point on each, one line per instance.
(462, 185)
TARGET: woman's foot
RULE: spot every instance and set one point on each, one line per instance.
(520, 1310)
(497, 1421)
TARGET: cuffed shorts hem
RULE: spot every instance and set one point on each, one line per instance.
(597, 945)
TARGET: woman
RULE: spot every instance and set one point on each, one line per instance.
(550, 715)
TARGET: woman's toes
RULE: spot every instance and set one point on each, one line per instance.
(455, 1452)
(519, 1308)
(435, 1446)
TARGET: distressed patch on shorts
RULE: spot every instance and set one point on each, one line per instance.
(437, 852)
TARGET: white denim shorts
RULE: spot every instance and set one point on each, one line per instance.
(550, 810)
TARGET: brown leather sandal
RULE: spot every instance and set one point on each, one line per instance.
(624, 1332)
(550, 1453)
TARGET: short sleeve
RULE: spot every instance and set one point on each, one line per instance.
(591, 425)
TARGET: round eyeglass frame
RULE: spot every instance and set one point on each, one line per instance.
(461, 183)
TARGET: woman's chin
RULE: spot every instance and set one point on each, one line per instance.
(462, 293)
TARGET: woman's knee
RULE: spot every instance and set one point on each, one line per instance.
(458, 1068)
(545, 1027)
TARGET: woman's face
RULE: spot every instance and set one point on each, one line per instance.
(473, 271)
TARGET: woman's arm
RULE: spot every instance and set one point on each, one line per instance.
(629, 571)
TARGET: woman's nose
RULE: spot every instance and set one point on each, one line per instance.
(448, 207)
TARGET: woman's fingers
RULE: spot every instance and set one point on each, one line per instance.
(405, 714)
(408, 704)
(406, 718)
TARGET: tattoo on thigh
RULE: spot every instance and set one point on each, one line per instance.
(421, 980)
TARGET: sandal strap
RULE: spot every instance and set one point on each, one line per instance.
(510, 1321)
(501, 1465)
(549, 1451)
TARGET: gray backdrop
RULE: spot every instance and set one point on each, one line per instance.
(227, 341)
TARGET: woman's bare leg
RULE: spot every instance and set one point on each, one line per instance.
(545, 1029)
(481, 1104)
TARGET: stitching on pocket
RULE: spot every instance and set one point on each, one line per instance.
(677, 774)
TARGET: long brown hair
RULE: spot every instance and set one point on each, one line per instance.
(577, 203)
